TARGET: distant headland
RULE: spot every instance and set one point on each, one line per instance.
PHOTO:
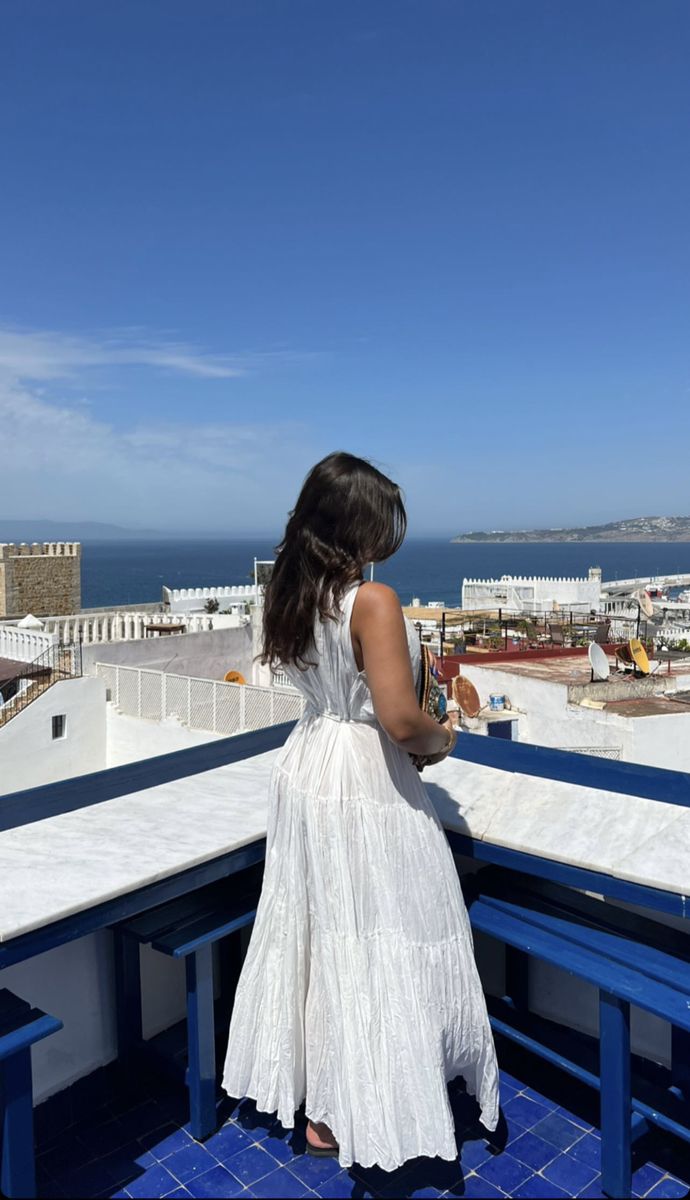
(70, 531)
(637, 529)
(50, 530)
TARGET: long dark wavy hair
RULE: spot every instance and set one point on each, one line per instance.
(347, 514)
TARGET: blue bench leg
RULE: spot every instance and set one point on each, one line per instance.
(128, 997)
(616, 1105)
(201, 1075)
(18, 1174)
(680, 1060)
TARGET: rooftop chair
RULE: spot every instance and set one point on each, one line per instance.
(602, 633)
(532, 635)
(632, 961)
(188, 929)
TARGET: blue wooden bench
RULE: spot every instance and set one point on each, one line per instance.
(20, 1026)
(188, 928)
(632, 961)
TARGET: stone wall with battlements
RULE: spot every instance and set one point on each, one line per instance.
(43, 578)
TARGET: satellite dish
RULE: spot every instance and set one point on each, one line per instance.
(639, 656)
(466, 696)
(234, 677)
(598, 662)
(644, 601)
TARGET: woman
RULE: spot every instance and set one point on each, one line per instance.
(359, 993)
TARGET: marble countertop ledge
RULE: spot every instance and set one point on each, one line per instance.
(54, 868)
(629, 837)
(662, 862)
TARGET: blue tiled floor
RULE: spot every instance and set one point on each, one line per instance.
(135, 1144)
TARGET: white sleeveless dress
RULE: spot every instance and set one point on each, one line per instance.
(359, 993)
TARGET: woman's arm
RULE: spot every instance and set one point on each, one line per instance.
(380, 644)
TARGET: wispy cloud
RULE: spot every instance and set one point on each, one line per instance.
(58, 458)
(50, 355)
(62, 457)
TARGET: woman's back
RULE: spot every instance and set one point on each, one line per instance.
(333, 684)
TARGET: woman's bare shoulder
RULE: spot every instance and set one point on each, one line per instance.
(376, 599)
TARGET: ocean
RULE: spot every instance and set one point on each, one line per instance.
(125, 573)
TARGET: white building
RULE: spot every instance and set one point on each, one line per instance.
(59, 734)
(137, 698)
(535, 595)
(553, 702)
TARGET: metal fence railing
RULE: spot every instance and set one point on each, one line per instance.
(613, 752)
(208, 704)
(34, 678)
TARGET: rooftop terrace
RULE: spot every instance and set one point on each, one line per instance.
(620, 830)
(571, 668)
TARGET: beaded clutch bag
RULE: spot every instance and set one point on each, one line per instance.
(431, 698)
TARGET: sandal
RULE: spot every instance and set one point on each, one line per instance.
(321, 1151)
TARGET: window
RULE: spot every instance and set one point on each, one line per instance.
(59, 726)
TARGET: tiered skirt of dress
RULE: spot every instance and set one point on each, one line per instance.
(360, 993)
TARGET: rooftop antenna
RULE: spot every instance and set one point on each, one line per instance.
(598, 661)
(639, 656)
(466, 696)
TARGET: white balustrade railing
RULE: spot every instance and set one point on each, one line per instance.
(120, 626)
(670, 635)
(24, 645)
(280, 679)
(193, 599)
(207, 704)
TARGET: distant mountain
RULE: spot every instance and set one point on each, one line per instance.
(638, 529)
(72, 531)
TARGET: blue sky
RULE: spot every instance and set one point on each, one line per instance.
(450, 235)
